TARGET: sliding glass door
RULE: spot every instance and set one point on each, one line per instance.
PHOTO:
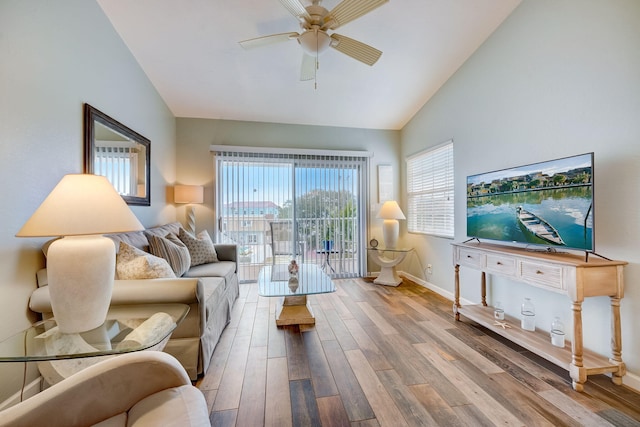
(276, 207)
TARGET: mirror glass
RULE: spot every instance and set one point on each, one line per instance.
(119, 153)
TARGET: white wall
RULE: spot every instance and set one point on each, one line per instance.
(557, 78)
(195, 161)
(55, 56)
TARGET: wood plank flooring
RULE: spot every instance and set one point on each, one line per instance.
(383, 356)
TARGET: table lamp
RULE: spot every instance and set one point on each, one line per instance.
(81, 265)
(189, 194)
(391, 213)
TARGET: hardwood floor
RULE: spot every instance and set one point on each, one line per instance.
(382, 356)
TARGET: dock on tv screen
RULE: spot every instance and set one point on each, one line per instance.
(548, 203)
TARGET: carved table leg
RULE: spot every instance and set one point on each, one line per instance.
(616, 342)
(483, 288)
(577, 370)
(456, 301)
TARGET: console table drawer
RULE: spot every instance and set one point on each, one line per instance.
(547, 275)
(470, 258)
(501, 265)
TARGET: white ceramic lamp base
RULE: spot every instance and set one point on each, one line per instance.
(390, 231)
(81, 270)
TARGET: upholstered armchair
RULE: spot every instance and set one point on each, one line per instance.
(146, 388)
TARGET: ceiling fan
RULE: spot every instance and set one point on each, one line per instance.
(316, 22)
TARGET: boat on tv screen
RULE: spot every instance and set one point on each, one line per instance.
(548, 203)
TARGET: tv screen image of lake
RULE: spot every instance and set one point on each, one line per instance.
(495, 217)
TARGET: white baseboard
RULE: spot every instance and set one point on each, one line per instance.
(629, 380)
(438, 290)
(632, 381)
(31, 389)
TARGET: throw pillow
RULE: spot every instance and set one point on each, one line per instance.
(133, 263)
(173, 250)
(200, 247)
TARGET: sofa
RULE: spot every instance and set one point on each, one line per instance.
(210, 289)
(147, 388)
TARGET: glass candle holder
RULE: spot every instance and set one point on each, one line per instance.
(528, 315)
(557, 332)
(498, 311)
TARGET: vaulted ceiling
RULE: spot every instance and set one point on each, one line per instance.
(190, 52)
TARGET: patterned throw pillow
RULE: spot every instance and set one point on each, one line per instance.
(200, 247)
(133, 263)
(173, 250)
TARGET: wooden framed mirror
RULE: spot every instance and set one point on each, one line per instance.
(122, 155)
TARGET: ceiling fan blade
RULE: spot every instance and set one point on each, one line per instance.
(296, 8)
(266, 40)
(308, 69)
(349, 10)
(355, 49)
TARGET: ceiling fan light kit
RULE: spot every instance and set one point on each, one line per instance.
(315, 22)
(314, 42)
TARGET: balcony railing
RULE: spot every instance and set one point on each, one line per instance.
(340, 258)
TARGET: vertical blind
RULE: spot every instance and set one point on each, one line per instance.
(322, 193)
(119, 165)
(430, 207)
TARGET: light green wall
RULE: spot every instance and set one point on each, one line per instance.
(55, 56)
(557, 78)
(195, 161)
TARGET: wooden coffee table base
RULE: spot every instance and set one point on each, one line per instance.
(294, 310)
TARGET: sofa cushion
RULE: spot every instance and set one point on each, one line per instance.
(224, 269)
(138, 239)
(133, 263)
(173, 250)
(200, 247)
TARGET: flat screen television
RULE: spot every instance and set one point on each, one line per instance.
(547, 204)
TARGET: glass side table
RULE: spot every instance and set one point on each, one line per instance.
(127, 328)
(388, 259)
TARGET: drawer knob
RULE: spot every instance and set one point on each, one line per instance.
(498, 263)
(539, 272)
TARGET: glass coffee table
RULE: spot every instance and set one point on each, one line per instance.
(293, 306)
(127, 328)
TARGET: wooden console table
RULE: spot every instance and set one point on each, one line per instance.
(567, 274)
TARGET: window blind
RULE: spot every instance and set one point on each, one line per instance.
(119, 165)
(321, 192)
(430, 186)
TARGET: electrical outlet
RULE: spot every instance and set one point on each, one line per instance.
(429, 269)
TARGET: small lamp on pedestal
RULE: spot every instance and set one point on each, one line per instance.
(81, 265)
(391, 213)
(189, 194)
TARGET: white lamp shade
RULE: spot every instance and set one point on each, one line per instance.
(188, 194)
(81, 204)
(391, 210)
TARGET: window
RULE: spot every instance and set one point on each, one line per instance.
(321, 194)
(430, 191)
